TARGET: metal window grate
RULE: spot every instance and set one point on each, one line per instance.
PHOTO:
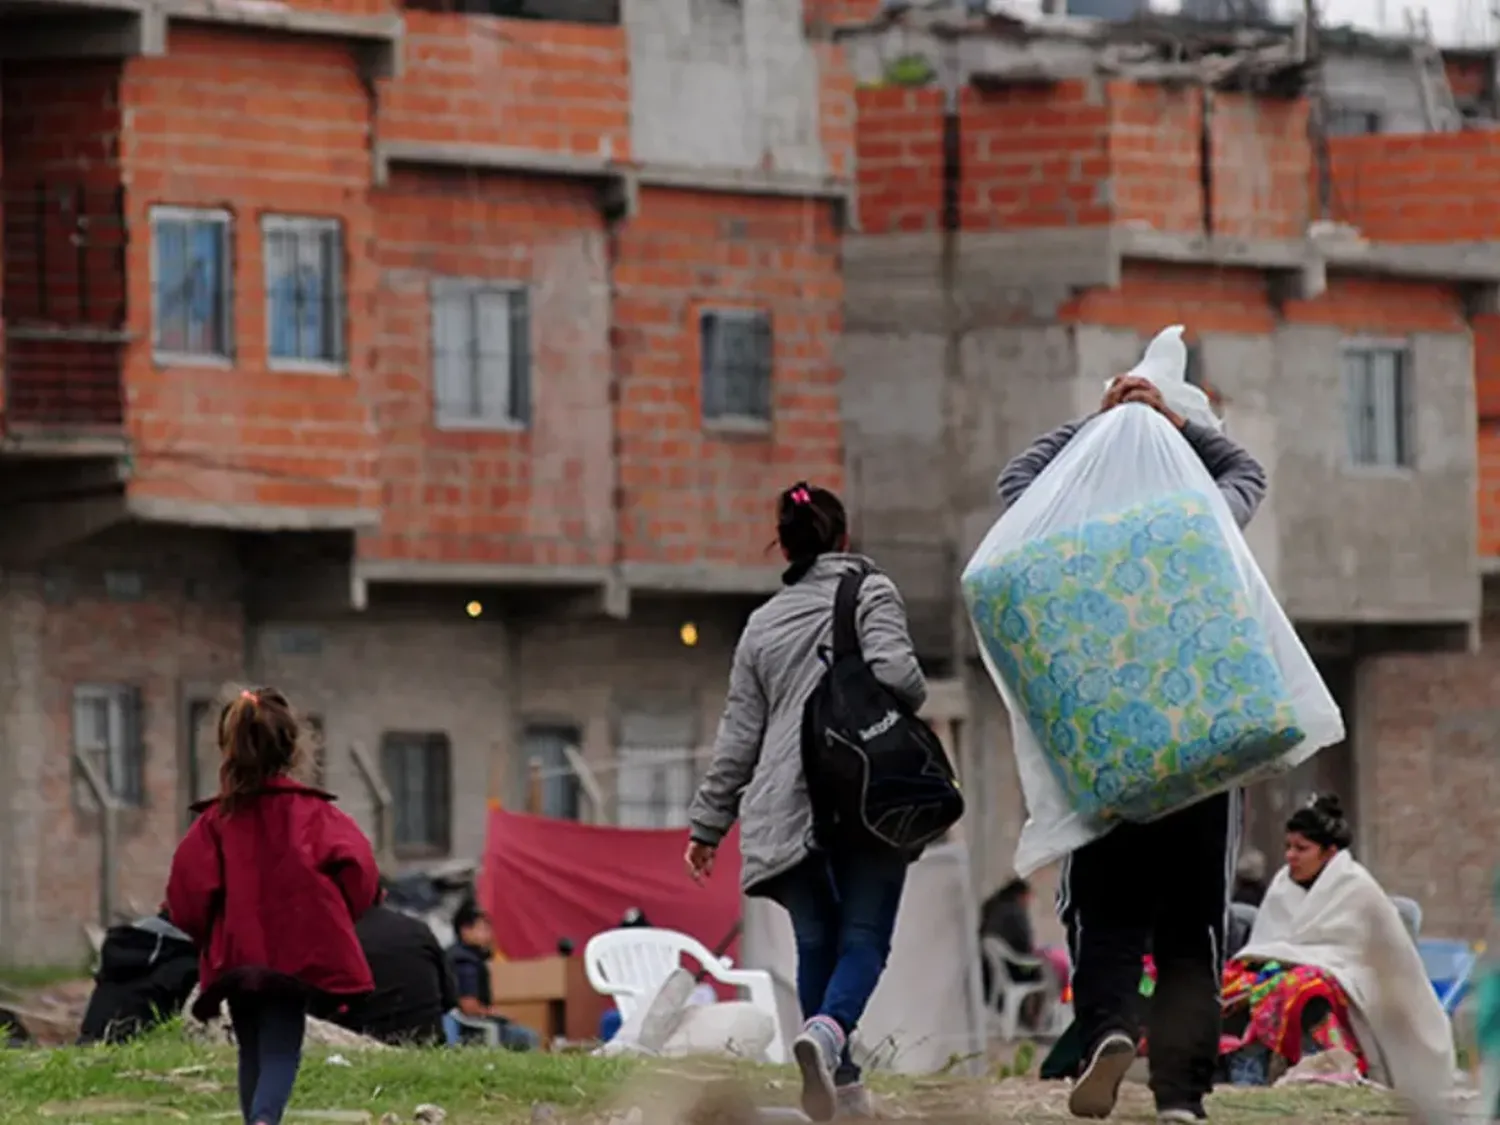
(1346, 122)
(736, 359)
(305, 290)
(481, 355)
(605, 12)
(418, 771)
(192, 283)
(1377, 406)
(654, 786)
(562, 795)
(107, 725)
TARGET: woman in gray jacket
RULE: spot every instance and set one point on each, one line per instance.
(843, 906)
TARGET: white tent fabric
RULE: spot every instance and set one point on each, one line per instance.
(929, 1008)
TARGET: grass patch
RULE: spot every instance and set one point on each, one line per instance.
(171, 1079)
(28, 978)
(162, 1077)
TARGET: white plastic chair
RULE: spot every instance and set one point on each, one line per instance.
(1008, 994)
(631, 964)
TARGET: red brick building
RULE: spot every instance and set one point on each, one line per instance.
(438, 367)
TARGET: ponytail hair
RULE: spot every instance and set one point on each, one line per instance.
(809, 522)
(259, 741)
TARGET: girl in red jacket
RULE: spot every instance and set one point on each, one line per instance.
(268, 883)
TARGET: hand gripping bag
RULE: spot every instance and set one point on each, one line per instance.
(1140, 652)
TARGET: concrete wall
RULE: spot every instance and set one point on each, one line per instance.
(1376, 84)
(723, 84)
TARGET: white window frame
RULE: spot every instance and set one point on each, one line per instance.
(304, 225)
(749, 423)
(675, 769)
(114, 754)
(472, 287)
(225, 221)
(1406, 457)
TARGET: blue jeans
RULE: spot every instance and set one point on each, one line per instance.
(843, 910)
(269, 1031)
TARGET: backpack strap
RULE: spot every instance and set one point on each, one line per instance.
(845, 605)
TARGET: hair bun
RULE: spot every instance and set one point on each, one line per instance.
(1329, 805)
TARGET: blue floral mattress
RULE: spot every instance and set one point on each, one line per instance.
(1131, 646)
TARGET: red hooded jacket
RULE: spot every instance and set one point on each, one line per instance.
(270, 895)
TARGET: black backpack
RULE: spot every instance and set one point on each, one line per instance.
(877, 775)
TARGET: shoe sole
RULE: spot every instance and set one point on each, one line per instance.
(1098, 1090)
(819, 1101)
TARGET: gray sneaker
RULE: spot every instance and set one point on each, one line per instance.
(854, 1100)
(817, 1052)
(1098, 1087)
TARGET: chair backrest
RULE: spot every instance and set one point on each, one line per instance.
(1411, 914)
(1445, 959)
(631, 963)
(1241, 923)
(1002, 957)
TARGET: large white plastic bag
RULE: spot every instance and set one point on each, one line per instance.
(1129, 473)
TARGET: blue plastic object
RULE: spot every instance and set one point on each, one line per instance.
(1449, 965)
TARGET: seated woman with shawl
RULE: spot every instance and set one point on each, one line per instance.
(1330, 965)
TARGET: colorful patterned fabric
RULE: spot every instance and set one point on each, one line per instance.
(1132, 647)
(1278, 998)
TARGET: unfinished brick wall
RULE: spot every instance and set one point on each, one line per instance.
(1085, 153)
(1431, 187)
(1156, 156)
(540, 494)
(898, 154)
(527, 84)
(824, 15)
(1261, 167)
(836, 109)
(1377, 306)
(1030, 156)
(1151, 295)
(690, 493)
(243, 433)
(63, 242)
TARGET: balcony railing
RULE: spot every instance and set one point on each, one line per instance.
(64, 305)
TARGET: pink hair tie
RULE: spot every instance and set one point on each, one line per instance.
(250, 695)
(801, 496)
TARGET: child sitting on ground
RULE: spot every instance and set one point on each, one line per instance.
(268, 883)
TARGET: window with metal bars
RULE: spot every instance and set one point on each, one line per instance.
(304, 291)
(417, 768)
(736, 357)
(605, 12)
(1348, 121)
(654, 787)
(1377, 390)
(107, 729)
(192, 284)
(481, 355)
(546, 745)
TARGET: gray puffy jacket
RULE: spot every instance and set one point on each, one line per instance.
(756, 773)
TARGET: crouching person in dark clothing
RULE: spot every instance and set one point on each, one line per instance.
(1162, 886)
(470, 958)
(414, 987)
